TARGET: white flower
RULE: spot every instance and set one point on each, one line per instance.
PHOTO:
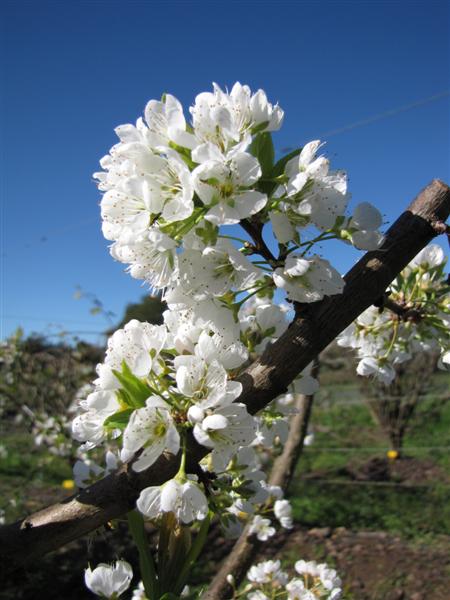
(363, 227)
(282, 227)
(283, 512)
(139, 592)
(225, 119)
(369, 365)
(166, 123)
(222, 184)
(296, 589)
(324, 198)
(151, 256)
(230, 354)
(166, 191)
(225, 430)
(87, 471)
(206, 328)
(138, 344)
(88, 427)
(206, 384)
(266, 572)
(308, 280)
(152, 429)
(329, 578)
(430, 256)
(215, 270)
(366, 217)
(257, 595)
(262, 322)
(109, 580)
(261, 528)
(185, 500)
(307, 567)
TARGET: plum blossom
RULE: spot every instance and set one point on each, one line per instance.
(308, 280)
(88, 426)
(138, 344)
(152, 429)
(184, 499)
(206, 384)
(214, 270)
(223, 184)
(266, 572)
(109, 581)
(283, 512)
(261, 528)
(224, 430)
(151, 256)
(313, 193)
(225, 119)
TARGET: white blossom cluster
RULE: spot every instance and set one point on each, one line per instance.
(170, 189)
(169, 185)
(159, 382)
(52, 432)
(267, 580)
(385, 339)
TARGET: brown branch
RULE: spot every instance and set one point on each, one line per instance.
(254, 229)
(404, 312)
(247, 546)
(265, 379)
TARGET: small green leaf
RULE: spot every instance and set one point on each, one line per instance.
(136, 390)
(262, 149)
(260, 127)
(118, 420)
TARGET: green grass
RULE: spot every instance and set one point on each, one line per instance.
(29, 475)
(341, 420)
(413, 513)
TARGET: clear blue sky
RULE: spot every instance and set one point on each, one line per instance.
(73, 70)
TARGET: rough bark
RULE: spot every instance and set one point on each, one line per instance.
(314, 327)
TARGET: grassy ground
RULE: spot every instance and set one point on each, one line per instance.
(334, 487)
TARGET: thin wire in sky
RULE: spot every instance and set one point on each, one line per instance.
(384, 115)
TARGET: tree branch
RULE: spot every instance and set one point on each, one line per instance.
(403, 311)
(265, 379)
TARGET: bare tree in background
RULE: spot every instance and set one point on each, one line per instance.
(394, 406)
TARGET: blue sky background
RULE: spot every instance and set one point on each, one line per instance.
(72, 71)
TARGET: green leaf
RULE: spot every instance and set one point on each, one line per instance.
(260, 127)
(278, 168)
(118, 420)
(193, 554)
(262, 149)
(136, 390)
(146, 564)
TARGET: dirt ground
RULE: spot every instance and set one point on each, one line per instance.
(376, 565)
